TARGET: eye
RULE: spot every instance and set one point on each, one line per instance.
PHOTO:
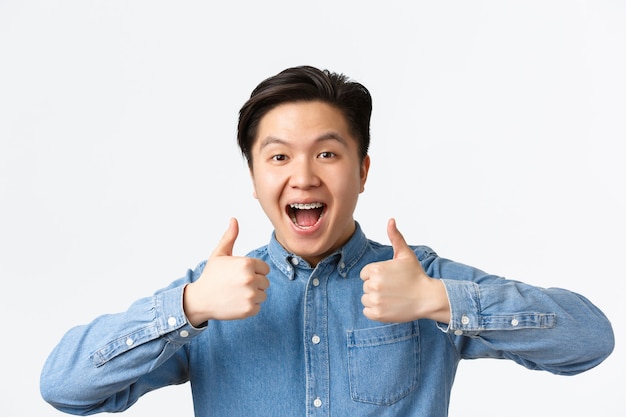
(327, 155)
(279, 158)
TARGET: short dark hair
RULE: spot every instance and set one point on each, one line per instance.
(306, 83)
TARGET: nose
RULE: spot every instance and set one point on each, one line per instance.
(304, 175)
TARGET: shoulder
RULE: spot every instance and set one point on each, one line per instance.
(383, 251)
(260, 252)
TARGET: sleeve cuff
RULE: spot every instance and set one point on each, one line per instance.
(464, 300)
(171, 317)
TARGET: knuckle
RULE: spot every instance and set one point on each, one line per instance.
(264, 283)
(249, 309)
(376, 269)
(374, 314)
(376, 300)
(375, 286)
(247, 263)
(248, 279)
(249, 296)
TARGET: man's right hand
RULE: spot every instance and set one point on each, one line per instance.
(230, 287)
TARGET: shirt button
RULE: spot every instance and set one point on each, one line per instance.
(184, 333)
(458, 332)
(316, 282)
(294, 261)
(514, 322)
(465, 320)
(129, 342)
(315, 339)
(317, 402)
(171, 321)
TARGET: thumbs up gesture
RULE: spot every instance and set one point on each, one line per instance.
(230, 287)
(398, 290)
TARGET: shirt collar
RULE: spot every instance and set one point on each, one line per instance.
(343, 258)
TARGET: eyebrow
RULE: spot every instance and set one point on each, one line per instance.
(322, 138)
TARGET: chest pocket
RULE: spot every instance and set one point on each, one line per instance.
(383, 362)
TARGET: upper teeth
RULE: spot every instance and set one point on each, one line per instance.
(306, 206)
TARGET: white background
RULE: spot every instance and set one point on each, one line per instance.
(497, 138)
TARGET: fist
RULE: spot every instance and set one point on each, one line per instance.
(398, 290)
(230, 287)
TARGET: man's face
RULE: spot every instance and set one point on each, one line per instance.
(307, 176)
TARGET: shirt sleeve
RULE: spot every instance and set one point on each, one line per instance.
(106, 365)
(549, 329)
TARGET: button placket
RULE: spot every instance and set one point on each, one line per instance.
(316, 348)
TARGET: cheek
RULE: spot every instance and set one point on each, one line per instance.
(347, 190)
(263, 184)
(266, 187)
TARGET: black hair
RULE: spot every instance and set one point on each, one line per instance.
(306, 83)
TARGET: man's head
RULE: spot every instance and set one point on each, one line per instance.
(306, 83)
(305, 134)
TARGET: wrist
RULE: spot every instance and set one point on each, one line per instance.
(438, 306)
(195, 317)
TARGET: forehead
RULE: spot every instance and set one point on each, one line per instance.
(302, 122)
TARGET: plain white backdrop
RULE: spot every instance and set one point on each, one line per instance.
(497, 139)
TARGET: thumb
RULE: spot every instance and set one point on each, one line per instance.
(227, 242)
(400, 247)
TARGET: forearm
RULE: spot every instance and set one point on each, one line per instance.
(108, 364)
(550, 329)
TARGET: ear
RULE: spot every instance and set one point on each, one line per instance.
(253, 184)
(365, 167)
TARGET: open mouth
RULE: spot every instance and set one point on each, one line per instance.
(306, 215)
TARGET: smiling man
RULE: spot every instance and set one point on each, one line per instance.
(321, 320)
(307, 175)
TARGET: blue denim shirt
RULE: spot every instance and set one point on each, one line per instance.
(311, 351)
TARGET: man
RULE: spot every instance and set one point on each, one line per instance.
(320, 321)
